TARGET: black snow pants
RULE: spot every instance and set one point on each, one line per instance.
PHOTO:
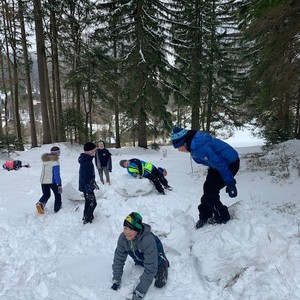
(210, 201)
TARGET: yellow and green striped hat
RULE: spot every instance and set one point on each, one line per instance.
(134, 221)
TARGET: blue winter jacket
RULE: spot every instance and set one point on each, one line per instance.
(214, 153)
(86, 173)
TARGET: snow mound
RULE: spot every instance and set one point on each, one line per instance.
(70, 193)
(128, 186)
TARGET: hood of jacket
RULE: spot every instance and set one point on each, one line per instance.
(49, 157)
(146, 230)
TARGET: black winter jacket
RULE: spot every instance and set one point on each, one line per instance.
(103, 159)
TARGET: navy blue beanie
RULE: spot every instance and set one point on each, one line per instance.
(178, 137)
(89, 146)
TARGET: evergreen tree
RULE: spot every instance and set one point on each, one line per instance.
(140, 31)
(273, 98)
(77, 20)
(205, 41)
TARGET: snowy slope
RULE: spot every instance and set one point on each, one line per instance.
(256, 255)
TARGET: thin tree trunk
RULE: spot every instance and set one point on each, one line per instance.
(41, 59)
(116, 99)
(27, 75)
(142, 127)
(10, 107)
(56, 76)
(5, 93)
(49, 103)
(15, 79)
(297, 117)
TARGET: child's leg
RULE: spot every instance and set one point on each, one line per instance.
(46, 193)
(57, 200)
(100, 171)
(156, 183)
(162, 274)
(210, 201)
(106, 174)
(89, 207)
(160, 177)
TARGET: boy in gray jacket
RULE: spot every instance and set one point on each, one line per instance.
(146, 249)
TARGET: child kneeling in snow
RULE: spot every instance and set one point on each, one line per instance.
(146, 249)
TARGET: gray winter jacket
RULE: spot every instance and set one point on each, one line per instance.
(143, 249)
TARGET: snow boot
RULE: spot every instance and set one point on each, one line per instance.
(215, 220)
(221, 216)
(167, 187)
(200, 223)
(40, 208)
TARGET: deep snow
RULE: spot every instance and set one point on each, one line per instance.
(256, 255)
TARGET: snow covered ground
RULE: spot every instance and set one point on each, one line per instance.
(256, 255)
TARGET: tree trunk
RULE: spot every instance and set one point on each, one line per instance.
(142, 127)
(116, 99)
(27, 75)
(56, 76)
(5, 93)
(41, 59)
(16, 92)
(10, 107)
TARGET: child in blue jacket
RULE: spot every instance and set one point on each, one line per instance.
(223, 163)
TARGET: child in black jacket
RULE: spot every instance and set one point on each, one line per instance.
(103, 162)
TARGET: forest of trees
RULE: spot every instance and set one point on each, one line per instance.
(138, 67)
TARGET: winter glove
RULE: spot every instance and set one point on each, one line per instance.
(116, 285)
(59, 188)
(137, 295)
(95, 185)
(231, 189)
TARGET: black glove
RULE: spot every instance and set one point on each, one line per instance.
(231, 189)
(137, 295)
(116, 285)
(95, 185)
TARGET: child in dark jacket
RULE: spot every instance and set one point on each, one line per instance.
(103, 162)
(223, 163)
(146, 250)
(50, 180)
(87, 183)
(139, 168)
